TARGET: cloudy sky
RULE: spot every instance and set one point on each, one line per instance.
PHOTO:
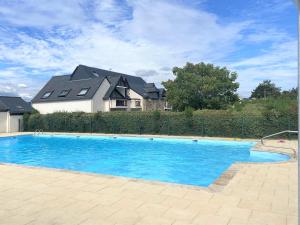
(42, 38)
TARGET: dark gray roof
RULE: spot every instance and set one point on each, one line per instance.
(14, 105)
(90, 77)
(162, 92)
(117, 95)
(3, 107)
(57, 84)
(150, 87)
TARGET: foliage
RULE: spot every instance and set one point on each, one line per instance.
(156, 118)
(283, 105)
(222, 123)
(293, 93)
(202, 86)
(266, 89)
(188, 112)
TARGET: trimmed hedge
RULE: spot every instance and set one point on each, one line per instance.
(201, 123)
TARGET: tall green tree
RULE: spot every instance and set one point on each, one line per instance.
(266, 89)
(202, 86)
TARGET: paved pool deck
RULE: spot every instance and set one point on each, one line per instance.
(257, 194)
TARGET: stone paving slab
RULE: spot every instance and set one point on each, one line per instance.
(258, 194)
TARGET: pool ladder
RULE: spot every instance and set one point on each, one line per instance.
(38, 132)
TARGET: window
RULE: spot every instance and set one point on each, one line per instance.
(64, 93)
(122, 83)
(96, 74)
(121, 103)
(137, 103)
(20, 107)
(47, 94)
(83, 92)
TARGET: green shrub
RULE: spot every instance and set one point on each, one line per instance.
(218, 123)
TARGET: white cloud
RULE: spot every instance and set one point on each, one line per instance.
(43, 13)
(266, 35)
(278, 64)
(279, 54)
(186, 32)
(10, 79)
(22, 85)
(142, 37)
(151, 40)
(111, 12)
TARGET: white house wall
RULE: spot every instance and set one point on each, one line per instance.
(64, 106)
(106, 106)
(133, 95)
(13, 125)
(98, 102)
(9, 123)
(4, 121)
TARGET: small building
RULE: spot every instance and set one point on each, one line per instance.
(12, 110)
(90, 90)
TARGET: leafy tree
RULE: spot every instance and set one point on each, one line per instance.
(265, 90)
(293, 93)
(202, 86)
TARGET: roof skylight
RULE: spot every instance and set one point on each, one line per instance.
(96, 74)
(47, 94)
(64, 93)
(83, 92)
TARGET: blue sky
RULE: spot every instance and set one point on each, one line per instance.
(41, 38)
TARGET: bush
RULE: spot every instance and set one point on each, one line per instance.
(217, 123)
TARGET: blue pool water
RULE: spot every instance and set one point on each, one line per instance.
(170, 160)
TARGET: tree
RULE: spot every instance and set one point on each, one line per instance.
(266, 89)
(293, 93)
(201, 86)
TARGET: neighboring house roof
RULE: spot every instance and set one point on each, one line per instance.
(14, 105)
(91, 78)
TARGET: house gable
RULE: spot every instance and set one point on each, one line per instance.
(98, 103)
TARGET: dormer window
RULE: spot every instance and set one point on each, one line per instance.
(64, 93)
(47, 94)
(122, 83)
(83, 92)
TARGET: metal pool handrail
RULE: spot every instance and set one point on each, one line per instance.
(281, 132)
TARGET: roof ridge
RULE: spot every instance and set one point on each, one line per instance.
(63, 75)
(117, 73)
(7, 96)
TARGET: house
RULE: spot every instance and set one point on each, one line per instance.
(11, 113)
(91, 90)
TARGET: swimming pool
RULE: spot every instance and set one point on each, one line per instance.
(182, 161)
